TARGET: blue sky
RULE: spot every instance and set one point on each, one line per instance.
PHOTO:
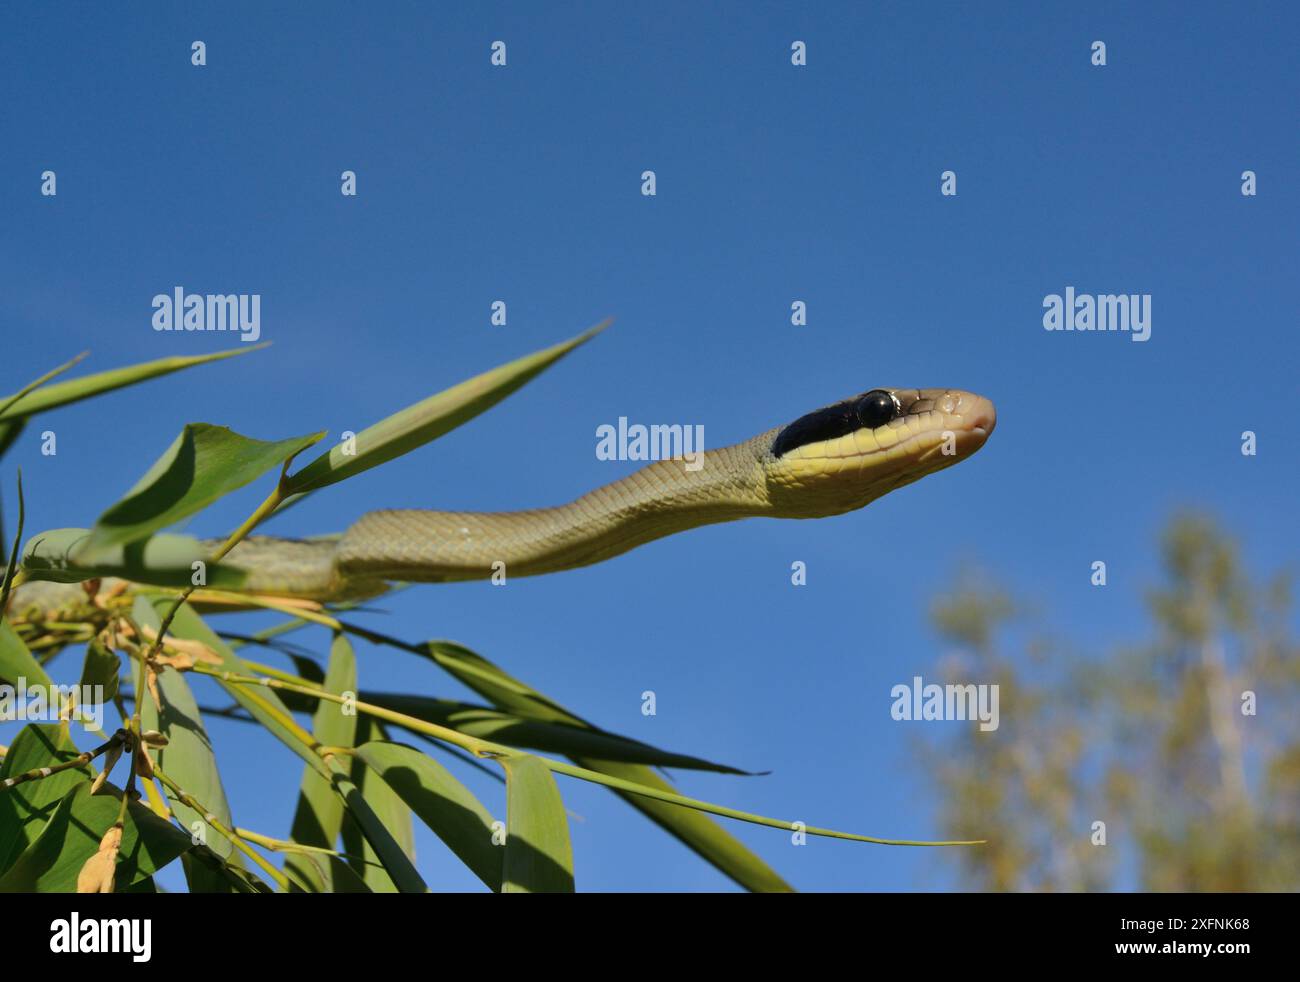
(775, 184)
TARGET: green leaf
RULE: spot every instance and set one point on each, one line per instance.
(697, 831)
(160, 560)
(203, 464)
(538, 857)
(53, 861)
(26, 807)
(445, 805)
(425, 421)
(385, 863)
(11, 559)
(386, 808)
(546, 735)
(205, 873)
(101, 667)
(9, 402)
(10, 430)
(672, 797)
(74, 390)
(188, 758)
(16, 662)
(318, 819)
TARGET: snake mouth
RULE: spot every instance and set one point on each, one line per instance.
(978, 418)
(980, 415)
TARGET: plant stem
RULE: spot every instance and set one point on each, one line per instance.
(230, 834)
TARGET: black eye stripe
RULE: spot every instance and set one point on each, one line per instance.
(824, 424)
(834, 421)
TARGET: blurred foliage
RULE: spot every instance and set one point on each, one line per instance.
(1156, 738)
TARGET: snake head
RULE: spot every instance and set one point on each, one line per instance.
(845, 455)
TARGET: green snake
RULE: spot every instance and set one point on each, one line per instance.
(834, 460)
(828, 462)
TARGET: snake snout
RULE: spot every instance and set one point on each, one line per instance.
(979, 413)
(971, 417)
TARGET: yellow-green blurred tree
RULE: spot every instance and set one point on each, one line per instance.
(1185, 743)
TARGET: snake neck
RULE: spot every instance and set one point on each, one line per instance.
(661, 499)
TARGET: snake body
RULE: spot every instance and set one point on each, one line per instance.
(831, 461)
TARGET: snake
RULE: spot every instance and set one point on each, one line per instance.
(833, 460)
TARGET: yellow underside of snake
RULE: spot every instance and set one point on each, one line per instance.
(831, 461)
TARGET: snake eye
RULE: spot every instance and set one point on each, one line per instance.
(876, 408)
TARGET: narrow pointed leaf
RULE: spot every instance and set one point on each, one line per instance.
(538, 856)
(672, 797)
(9, 402)
(545, 735)
(417, 425)
(74, 390)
